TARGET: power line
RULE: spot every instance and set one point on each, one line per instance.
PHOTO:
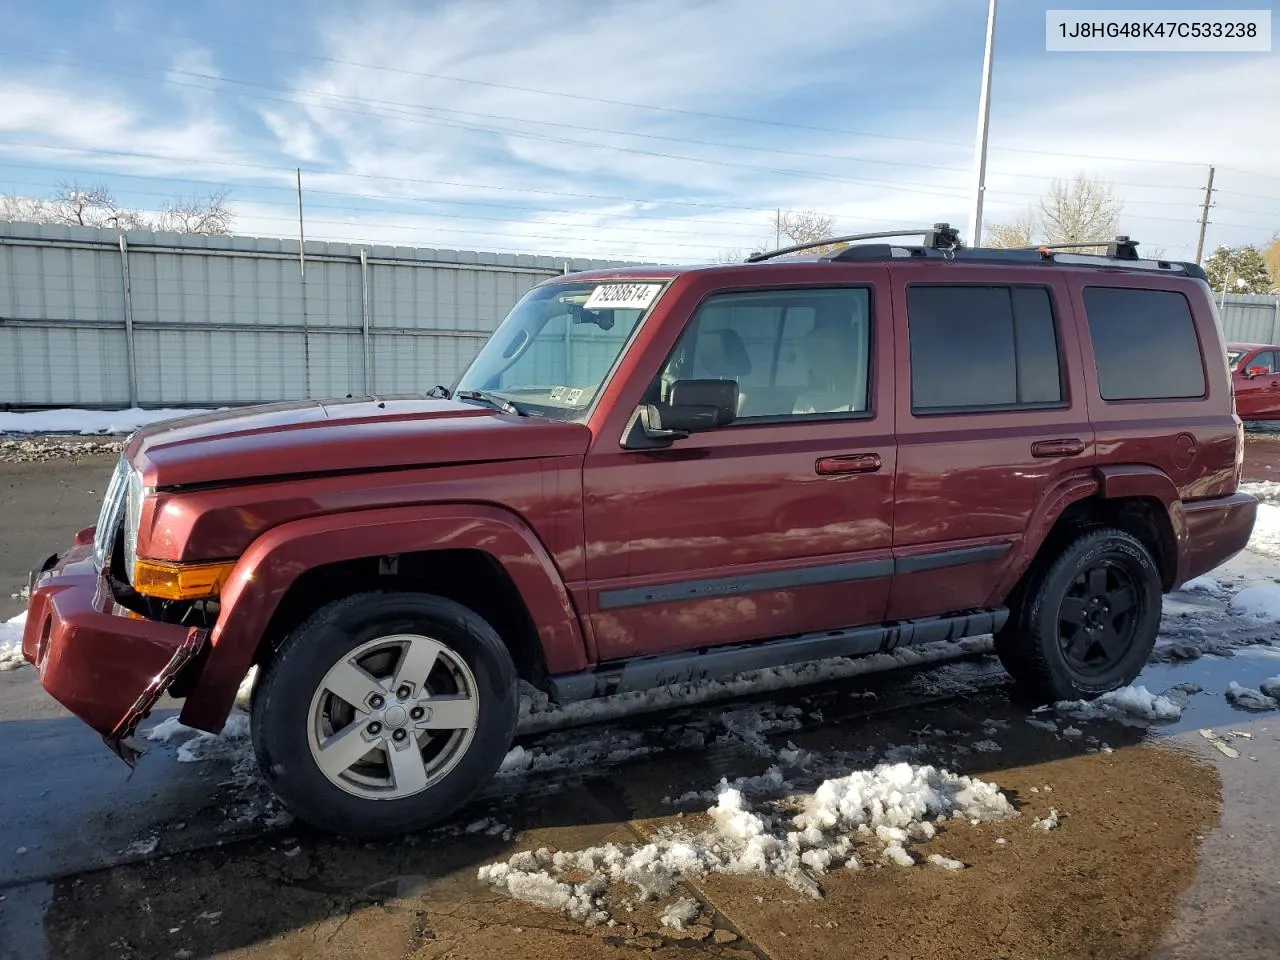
(675, 110)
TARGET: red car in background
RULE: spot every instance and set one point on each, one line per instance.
(1255, 371)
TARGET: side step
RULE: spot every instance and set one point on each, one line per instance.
(714, 663)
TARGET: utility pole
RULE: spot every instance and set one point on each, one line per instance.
(777, 228)
(1204, 216)
(984, 123)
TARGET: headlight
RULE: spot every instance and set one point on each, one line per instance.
(132, 520)
(109, 516)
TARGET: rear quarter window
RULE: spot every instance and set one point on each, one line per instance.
(1145, 344)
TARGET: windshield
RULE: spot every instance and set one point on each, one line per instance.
(1233, 356)
(554, 350)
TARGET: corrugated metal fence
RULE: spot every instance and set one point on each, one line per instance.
(95, 318)
(1251, 318)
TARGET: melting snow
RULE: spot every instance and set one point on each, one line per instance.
(946, 863)
(1131, 703)
(1270, 687)
(87, 421)
(681, 913)
(1246, 698)
(1266, 531)
(11, 642)
(1261, 601)
(1202, 585)
(1049, 821)
(794, 838)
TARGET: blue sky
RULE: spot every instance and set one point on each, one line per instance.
(532, 127)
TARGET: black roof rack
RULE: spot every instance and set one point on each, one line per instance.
(941, 236)
(942, 241)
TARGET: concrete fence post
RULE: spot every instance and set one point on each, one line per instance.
(128, 321)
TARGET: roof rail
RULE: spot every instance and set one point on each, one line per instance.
(941, 236)
(1121, 248)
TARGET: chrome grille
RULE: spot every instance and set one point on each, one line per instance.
(111, 514)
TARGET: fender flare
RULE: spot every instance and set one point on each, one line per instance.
(272, 564)
(1111, 482)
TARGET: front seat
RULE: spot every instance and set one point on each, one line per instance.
(832, 354)
(723, 356)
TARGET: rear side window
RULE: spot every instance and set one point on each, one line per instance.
(982, 347)
(1145, 344)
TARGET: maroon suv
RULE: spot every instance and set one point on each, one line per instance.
(656, 475)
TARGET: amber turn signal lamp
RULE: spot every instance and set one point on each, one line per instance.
(180, 581)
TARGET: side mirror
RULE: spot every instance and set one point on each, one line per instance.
(693, 406)
(1256, 372)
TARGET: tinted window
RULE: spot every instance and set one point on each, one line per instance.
(975, 347)
(1145, 344)
(792, 353)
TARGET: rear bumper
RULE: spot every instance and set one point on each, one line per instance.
(105, 664)
(1216, 530)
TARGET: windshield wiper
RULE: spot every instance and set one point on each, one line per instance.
(439, 392)
(492, 399)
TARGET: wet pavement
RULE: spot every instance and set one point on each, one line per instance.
(1167, 846)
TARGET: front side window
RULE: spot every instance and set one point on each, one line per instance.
(982, 347)
(1266, 361)
(1145, 344)
(554, 350)
(793, 353)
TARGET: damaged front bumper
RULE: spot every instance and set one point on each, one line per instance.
(104, 663)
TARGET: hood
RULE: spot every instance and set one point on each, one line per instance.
(328, 436)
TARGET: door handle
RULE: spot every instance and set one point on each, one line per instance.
(855, 463)
(1057, 448)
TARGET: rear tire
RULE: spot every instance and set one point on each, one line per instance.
(383, 713)
(1087, 621)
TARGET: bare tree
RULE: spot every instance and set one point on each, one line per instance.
(1078, 211)
(1073, 211)
(96, 206)
(25, 209)
(1018, 233)
(805, 226)
(208, 214)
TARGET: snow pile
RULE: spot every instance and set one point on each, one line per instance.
(1270, 687)
(88, 421)
(1246, 698)
(11, 642)
(230, 744)
(1131, 703)
(794, 838)
(1266, 531)
(1262, 602)
(946, 863)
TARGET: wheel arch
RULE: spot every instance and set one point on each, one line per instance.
(268, 589)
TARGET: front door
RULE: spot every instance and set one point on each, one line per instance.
(779, 524)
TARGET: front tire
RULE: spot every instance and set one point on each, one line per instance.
(1087, 621)
(383, 713)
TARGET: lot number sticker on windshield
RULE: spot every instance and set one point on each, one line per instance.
(622, 296)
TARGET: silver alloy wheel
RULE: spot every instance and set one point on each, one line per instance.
(393, 717)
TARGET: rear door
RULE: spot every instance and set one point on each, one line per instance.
(991, 413)
(778, 524)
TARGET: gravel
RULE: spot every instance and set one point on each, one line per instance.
(41, 449)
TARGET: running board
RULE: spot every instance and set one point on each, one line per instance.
(714, 663)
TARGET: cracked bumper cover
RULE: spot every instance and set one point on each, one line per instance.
(105, 664)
